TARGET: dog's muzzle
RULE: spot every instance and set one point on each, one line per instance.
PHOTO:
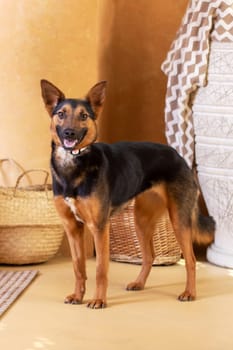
(71, 137)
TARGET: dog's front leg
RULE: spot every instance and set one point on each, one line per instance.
(101, 239)
(75, 234)
(77, 248)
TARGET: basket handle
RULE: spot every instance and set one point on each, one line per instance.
(13, 162)
(45, 184)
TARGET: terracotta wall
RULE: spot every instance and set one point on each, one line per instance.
(49, 39)
(134, 39)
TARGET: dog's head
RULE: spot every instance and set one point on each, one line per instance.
(73, 123)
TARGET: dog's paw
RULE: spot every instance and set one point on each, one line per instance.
(96, 304)
(73, 299)
(186, 296)
(135, 286)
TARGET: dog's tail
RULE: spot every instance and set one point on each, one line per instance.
(204, 228)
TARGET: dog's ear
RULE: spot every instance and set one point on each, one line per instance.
(96, 96)
(51, 95)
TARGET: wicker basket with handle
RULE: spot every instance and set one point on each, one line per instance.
(124, 245)
(30, 229)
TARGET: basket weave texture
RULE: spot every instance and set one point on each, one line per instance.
(30, 229)
(124, 245)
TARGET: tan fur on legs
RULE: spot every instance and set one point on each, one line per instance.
(184, 238)
(89, 210)
(148, 207)
(75, 234)
(101, 238)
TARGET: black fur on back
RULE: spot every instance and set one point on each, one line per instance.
(138, 165)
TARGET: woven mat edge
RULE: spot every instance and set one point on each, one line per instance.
(17, 282)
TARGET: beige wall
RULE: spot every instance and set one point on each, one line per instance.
(52, 39)
(73, 43)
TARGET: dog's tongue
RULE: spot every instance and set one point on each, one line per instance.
(69, 144)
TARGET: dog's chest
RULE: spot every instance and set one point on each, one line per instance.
(64, 160)
(71, 204)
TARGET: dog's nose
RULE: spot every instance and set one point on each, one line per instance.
(69, 133)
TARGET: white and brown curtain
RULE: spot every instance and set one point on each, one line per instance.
(186, 66)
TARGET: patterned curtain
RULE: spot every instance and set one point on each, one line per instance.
(186, 66)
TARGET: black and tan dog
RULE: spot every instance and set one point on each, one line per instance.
(91, 180)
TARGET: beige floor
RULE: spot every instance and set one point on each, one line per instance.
(151, 319)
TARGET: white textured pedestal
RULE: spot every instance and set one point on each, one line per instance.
(219, 256)
(217, 187)
(213, 124)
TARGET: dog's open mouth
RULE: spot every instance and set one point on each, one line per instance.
(71, 138)
(70, 144)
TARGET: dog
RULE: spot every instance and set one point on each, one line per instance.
(92, 180)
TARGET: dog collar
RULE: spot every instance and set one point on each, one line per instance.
(77, 152)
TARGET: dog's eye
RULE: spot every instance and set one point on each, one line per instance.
(61, 114)
(83, 116)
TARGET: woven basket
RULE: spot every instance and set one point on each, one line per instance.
(30, 229)
(124, 245)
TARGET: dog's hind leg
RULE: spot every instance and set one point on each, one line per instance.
(183, 232)
(75, 234)
(145, 217)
